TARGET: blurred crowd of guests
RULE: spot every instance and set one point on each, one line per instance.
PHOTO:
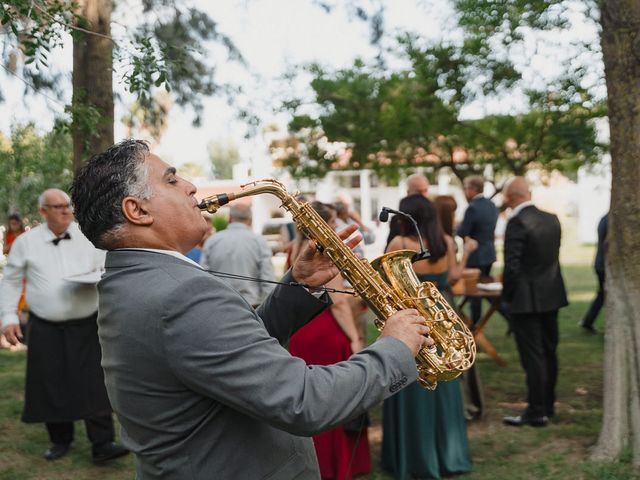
(424, 432)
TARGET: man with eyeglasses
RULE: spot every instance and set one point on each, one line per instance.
(64, 380)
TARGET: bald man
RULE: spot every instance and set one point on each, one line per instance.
(534, 291)
(417, 183)
(65, 381)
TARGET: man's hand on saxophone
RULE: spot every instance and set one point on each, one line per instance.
(315, 269)
(409, 327)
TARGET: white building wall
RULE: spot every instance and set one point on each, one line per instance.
(594, 198)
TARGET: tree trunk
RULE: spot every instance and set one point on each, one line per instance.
(621, 46)
(92, 82)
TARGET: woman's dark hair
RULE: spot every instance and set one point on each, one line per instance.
(325, 210)
(424, 213)
(17, 218)
(446, 209)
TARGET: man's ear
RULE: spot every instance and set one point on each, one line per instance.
(134, 211)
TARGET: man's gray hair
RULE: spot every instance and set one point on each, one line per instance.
(43, 198)
(476, 182)
(102, 184)
(341, 207)
(136, 185)
(240, 213)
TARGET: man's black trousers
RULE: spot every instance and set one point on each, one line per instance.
(537, 340)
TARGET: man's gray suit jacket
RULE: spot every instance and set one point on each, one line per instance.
(203, 385)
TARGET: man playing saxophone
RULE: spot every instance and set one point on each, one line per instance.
(201, 382)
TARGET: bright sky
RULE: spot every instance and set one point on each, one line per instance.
(273, 35)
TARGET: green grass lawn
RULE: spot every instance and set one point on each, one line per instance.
(559, 451)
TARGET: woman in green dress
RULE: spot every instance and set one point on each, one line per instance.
(424, 432)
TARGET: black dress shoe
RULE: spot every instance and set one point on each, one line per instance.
(521, 420)
(108, 452)
(57, 450)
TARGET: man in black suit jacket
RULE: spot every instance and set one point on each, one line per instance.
(534, 291)
(479, 223)
(596, 305)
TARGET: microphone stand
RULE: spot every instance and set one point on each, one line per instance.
(423, 254)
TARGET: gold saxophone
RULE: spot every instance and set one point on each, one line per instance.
(387, 285)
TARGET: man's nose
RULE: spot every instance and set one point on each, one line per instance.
(191, 188)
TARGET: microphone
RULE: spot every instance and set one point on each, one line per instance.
(423, 254)
(384, 214)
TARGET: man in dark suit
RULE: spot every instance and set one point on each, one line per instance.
(596, 305)
(479, 223)
(202, 383)
(534, 291)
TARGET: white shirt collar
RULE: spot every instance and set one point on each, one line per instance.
(173, 253)
(49, 235)
(519, 208)
(238, 225)
(480, 195)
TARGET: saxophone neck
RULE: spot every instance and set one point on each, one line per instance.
(214, 202)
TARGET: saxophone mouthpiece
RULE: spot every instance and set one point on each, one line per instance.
(214, 202)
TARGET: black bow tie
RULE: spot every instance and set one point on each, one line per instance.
(56, 240)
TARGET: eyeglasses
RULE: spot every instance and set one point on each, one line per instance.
(59, 206)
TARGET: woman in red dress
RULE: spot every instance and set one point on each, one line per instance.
(332, 337)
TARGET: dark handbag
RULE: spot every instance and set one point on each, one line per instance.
(357, 424)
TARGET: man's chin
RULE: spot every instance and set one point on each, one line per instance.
(205, 227)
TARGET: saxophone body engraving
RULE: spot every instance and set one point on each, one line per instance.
(387, 285)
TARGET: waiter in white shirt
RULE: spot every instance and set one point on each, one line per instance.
(64, 380)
